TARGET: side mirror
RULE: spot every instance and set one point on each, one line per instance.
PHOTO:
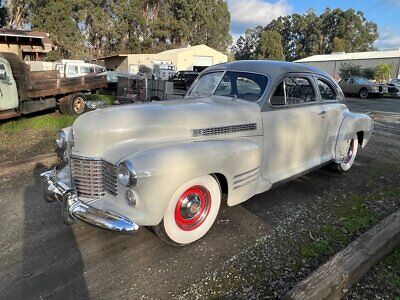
(3, 74)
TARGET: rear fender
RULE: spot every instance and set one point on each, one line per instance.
(352, 124)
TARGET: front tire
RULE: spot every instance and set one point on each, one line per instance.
(351, 155)
(191, 212)
(363, 93)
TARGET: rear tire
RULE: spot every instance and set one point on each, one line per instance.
(63, 105)
(363, 93)
(76, 104)
(351, 156)
(191, 212)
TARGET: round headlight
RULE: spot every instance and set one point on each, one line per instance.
(127, 174)
(61, 140)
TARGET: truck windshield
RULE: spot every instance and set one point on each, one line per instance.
(243, 85)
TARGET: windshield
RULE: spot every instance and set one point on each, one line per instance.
(243, 85)
(363, 81)
(206, 84)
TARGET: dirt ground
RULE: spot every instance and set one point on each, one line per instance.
(259, 249)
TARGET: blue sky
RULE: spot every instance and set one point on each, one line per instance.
(250, 13)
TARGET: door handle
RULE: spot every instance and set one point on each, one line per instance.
(322, 113)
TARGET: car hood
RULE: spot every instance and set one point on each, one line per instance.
(161, 122)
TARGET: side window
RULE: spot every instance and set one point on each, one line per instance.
(299, 90)
(72, 70)
(327, 92)
(278, 98)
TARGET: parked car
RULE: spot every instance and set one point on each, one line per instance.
(362, 87)
(184, 79)
(394, 86)
(243, 128)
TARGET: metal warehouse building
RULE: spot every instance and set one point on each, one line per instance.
(185, 59)
(331, 63)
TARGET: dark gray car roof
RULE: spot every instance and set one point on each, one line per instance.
(268, 67)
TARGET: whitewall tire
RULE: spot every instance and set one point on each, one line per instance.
(191, 211)
(351, 155)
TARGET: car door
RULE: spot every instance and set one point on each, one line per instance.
(345, 85)
(293, 128)
(332, 114)
(8, 87)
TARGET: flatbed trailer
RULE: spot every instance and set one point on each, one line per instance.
(23, 91)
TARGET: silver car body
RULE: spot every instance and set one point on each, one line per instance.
(248, 145)
(355, 85)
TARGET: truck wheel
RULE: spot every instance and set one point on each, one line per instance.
(76, 104)
(191, 211)
(63, 105)
(351, 156)
(363, 93)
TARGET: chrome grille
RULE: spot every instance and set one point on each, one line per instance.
(223, 130)
(110, 178)
(93, 177)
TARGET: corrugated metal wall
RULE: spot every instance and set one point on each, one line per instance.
(333, 67)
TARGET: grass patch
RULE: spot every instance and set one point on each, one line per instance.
(51, 122)
(328, 239)
(358, 218)
(107, 99)
(316, 249)
(391, 269)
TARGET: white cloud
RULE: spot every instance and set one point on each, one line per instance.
(257, 12)
(388, 39)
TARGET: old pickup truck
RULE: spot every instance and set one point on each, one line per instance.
(24, 92)
(243, 128)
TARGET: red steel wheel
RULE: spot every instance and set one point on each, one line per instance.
(191, 211)
(192, 208)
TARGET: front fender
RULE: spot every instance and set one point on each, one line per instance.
(352, 124)
(162, 170)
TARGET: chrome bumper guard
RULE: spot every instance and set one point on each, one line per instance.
(74, 209)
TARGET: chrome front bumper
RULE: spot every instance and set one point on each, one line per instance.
(74, 209)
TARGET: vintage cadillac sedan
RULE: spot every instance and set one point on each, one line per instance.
(242, 128)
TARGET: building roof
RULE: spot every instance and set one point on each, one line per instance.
(352, 56)
(184, 49)
(29, 40)
(170, 52)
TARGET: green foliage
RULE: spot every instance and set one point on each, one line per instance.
(107, 99)
(56, 17)
(383, 72)
(270, 46)
(3, 15)
(368, 73)
(309, 34)
(245, 47)
(338, 45)
(348, 70)
(94, 28)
